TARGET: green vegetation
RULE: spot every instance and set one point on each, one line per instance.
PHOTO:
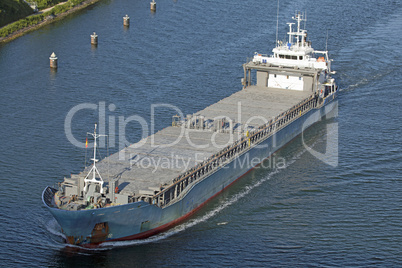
(12, 10)
(64, 7)
(35, 19)
(42, 4)
(13, 27)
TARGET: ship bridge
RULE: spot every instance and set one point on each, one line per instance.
(294, 64)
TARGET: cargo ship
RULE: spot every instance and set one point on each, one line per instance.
(153, 185)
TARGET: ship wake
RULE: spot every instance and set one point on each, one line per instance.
(54, 231)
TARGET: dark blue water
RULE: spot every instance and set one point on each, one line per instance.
(189, 54)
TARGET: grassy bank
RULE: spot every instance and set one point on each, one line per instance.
(22, 26)
(42, 4)
(13, 10)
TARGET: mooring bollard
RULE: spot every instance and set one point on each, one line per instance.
(126, 21)
(53, 61)
(94, 39)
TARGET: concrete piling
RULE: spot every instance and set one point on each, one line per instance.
(153, 5)
(94, 39)
(126, 21)
(53, 61)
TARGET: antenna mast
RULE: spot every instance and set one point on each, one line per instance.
(277, 22)
(94, 170)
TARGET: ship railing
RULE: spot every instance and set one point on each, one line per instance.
(47, 196)
(168, 195)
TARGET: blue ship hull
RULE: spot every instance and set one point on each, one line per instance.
(140, 220)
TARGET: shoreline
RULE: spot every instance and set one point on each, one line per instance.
(46, 21)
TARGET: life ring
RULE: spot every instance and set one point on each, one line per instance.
(116, 190)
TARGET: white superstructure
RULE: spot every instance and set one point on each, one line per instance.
(294, 64)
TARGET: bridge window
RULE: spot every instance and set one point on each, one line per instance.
(289, 57)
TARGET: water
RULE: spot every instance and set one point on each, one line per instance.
(189, 54)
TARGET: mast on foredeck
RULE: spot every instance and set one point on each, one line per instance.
(94, 170)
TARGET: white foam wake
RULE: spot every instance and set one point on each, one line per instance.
(54, 228)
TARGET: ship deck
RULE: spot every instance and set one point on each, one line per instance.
(144, 166)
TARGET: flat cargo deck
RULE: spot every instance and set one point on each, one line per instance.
(164, 156)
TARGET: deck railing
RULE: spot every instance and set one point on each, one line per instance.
(170, 193)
